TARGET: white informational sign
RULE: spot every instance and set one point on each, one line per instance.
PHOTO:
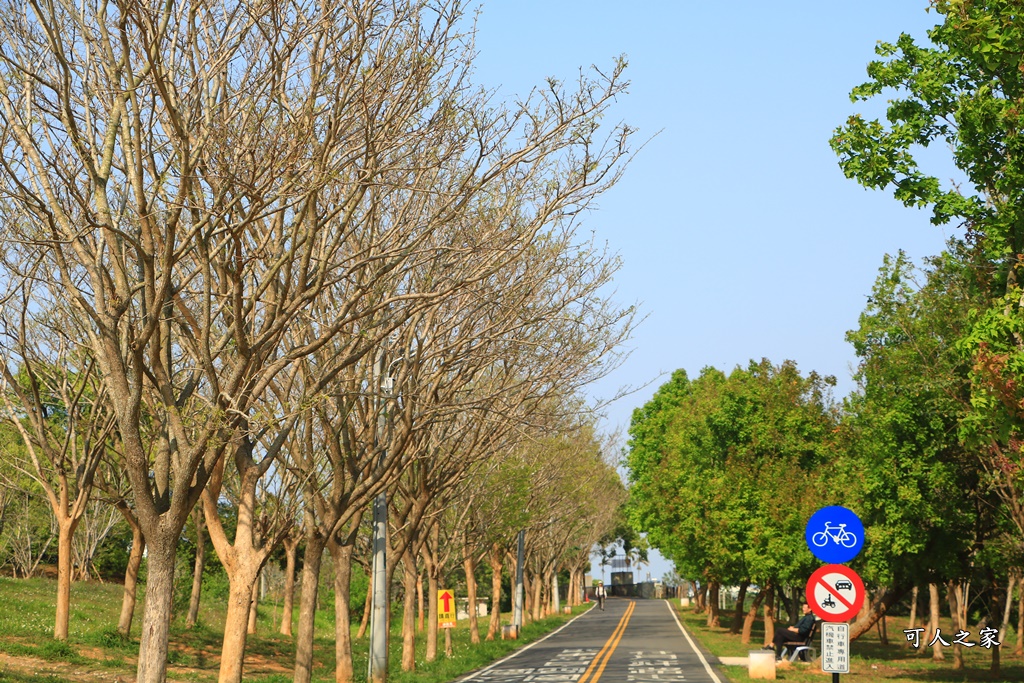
(835, 648)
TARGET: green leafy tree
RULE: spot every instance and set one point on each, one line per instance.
(965, 91)
(907, 474)
(724, 476)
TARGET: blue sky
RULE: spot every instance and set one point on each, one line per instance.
(740, 237)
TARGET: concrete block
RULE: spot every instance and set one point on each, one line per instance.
(762, 664)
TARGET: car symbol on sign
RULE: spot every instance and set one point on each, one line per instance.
(844, 585)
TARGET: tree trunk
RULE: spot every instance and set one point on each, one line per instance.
(570, 591)
(713, 592)
(537, 585)
(432, 588)
(912, 621)
(883, 634)
(702, 598)
(469, 563)
(954, 595)
(156, 611)
(995, 611)
(241, 590)
(291, 548)
(748, 620)
(131, 580)
(933, 621)
(410, 577)
(65, 530)
(1006, 610)
(769, 620)
(254, 603)
(495, 621)
(197, 571)
(792, 604)
(1020, 618)
(741, 599)
(344, 672)
(527, 593)
(420, 613)
(311, 560)
(365, 621)
(880, 604)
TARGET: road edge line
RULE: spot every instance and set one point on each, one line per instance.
(471, 676)
(707, 667)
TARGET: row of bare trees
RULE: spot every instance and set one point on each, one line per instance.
(266, 260)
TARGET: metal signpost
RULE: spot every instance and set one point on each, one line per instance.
(835, 593)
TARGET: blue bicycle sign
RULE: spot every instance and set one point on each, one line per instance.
(834, 534)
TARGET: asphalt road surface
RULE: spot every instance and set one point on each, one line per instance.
(632, 641)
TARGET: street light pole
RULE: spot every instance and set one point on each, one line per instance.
(517, 613)
(378, 664)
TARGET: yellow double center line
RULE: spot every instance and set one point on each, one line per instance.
(601, 660)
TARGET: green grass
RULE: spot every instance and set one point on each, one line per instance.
(96, 650)
(871, 661)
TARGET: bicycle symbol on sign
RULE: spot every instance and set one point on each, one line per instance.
(837, 533)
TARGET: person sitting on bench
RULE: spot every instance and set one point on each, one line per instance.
(794, 634)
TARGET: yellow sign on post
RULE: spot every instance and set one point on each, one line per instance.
(445, 608)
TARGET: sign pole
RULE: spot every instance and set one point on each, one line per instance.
(835, 593)
(378, 659)
(517, 610)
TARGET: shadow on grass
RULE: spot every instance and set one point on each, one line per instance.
(872, 662)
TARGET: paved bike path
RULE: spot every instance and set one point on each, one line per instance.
(632, 641)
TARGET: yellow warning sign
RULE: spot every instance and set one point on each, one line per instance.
(445, 608)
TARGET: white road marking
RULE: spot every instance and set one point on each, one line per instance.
(693, 645)
(655, 667)
(518, 652)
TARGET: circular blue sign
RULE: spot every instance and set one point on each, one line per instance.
(834, 534)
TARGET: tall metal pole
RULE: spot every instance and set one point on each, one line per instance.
(517, 612)
(378, 664)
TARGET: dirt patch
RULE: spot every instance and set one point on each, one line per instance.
(73, 673)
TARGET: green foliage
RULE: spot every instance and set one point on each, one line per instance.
(964, 91)
(724, 470)
(359, 590)
(905, 471)
(111, 558)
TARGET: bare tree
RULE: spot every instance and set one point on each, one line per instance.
(54, 400)
(199, 179)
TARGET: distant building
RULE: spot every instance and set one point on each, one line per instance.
(621, 574)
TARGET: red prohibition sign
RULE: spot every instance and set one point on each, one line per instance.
(835, 592)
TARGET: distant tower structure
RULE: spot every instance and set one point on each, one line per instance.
(621, 574)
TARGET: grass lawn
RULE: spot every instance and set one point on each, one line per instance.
(871, 662)
(94, 651)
